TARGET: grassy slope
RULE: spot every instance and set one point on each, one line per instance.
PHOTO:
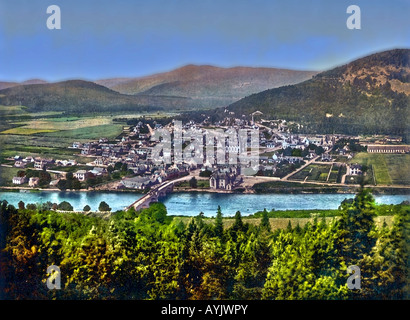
(388, 168)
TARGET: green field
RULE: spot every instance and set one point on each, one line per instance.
(69, 127)
(334, 174)
(109, 131)
(7, 174)
(313, 172)
(26, 131)
(388, 169)
(50, 137)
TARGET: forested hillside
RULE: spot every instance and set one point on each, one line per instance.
(149, 255)
(367, 96)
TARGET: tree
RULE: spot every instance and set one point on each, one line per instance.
(206, 173)
(21, 173)
(319, 150)
(91, 182)
(193, 183)
(118, 166)
(21, 205)
(296, 152)
(265, 224)
(305, 266)
(388, 265)
(116, 175)
(357, 226)
(238, 224)
(124, 168)
(104, 206)
(62, 184)
(65, 206)
(219, 223)
(287, 151)
(76, 184)
(45, 178)
(86, 208)
(31, 206)
(31, 173)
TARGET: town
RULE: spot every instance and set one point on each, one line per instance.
(133, 160)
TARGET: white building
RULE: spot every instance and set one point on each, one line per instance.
(19, 180)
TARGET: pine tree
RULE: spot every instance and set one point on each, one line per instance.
(219, 223)
(357, 226)
(238, 224)
(265, 225)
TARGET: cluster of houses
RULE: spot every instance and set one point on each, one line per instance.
(32, 181)
(135, 149)
(39, 163)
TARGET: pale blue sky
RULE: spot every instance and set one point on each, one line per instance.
(103, 39)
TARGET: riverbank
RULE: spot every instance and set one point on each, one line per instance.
(272, 187)
(292, 187)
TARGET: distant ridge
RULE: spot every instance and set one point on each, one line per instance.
(208, 82)
(6, 84)
(79, 96)
(187, 88)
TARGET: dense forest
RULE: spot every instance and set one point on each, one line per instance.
(150, 255)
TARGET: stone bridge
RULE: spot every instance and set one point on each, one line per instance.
(152, 196)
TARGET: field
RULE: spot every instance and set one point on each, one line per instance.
(32, 126)
(109, 131)
(313, 172)
(26, 131)
(388, 169)
(51, 136)
(7, 174)
(334, 174)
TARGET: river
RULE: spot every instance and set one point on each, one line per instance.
(191, 203)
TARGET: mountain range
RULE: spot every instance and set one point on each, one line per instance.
(208, 82)
(187, 88)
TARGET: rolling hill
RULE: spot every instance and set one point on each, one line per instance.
(78, 96)
(368, 96)
(7, 84)
(187, 88)
(209, 86)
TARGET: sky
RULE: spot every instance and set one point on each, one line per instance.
(102, 39)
